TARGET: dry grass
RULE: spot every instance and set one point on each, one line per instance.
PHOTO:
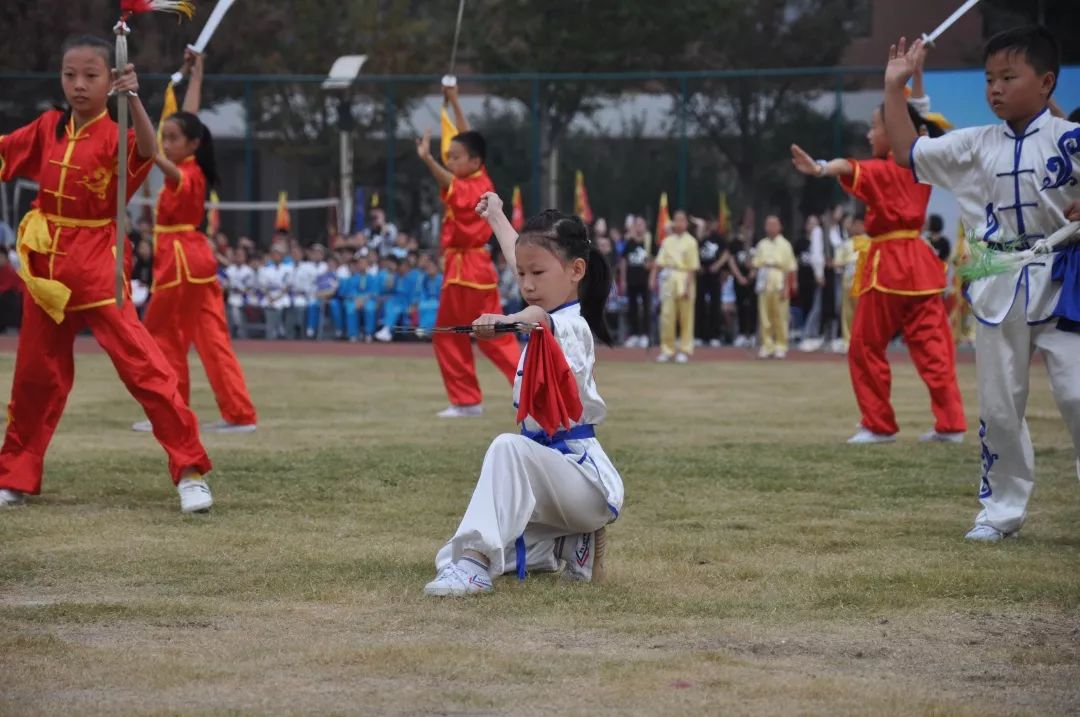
(761, 566)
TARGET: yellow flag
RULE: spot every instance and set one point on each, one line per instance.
(213, 217)
(449, 131)
(167, 110)
(723, 217)
(283, 222)
(374, 200)
(662, 220)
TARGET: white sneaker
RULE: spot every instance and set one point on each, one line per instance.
(453, 581)
(461, 411)
(631, 342)
(194, 495)
(985, 534)
(142, 427)
(865, 435)
(781, 353)
(643, 342)
(10, 498)
(681, 357)
(741, 342)
(811, 344)
(663, 358)
(584, 555)
(764, 353)
(838, 346)
(224, 426)
(698, 343)
(715, 343)
(384, 335)
(939, 437)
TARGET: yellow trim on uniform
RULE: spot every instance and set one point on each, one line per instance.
(183, 270)
(2, 170)
(459, 254)
(173, 228)
(858, 175)
(898, 234)
(874, 271)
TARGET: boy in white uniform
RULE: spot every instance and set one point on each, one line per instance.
(1015, 186)
(542, 497)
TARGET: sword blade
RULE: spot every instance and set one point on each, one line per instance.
(949, 21)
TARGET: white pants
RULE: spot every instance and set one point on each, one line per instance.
(527, 489)
(1003, 358)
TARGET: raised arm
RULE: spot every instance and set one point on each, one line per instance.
(193, 96)
(903, 62)
(491, 209)
(441, 174)
(450, 94)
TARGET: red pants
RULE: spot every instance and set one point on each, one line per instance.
(925, 325)
(45, 371)
(188, 314)
(462, 305)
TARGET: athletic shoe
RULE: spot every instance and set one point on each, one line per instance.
(764, 353)
(461, 411)
(865, 435)
(811, 344)
(781, 354)
(698, 343)
(384, 335)
(194, 495)
(643, 342)
(631, 342)
(939, 437)
(985, 534)
(838, 346)
(10, 498)
(226, 427)
(663, 358)
(584, 555)
(715, 343)
(454, 581)
(741, 342)
(681, 357)
(142, 427)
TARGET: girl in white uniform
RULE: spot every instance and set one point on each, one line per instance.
(539, 498)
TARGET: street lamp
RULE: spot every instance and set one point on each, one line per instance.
(342, 75)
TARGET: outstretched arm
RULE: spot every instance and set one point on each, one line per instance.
(903, 62)
(491, 209)
(450, 94)
(193, 96)
(423, 150)
(807, 165)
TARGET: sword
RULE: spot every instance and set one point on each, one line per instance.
(949, 21)
(468, 329)
(207, 32)
(121, 31)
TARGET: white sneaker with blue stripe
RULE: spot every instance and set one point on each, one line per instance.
(583, 554)
(194, 495)
(985, 534)
(455, 581)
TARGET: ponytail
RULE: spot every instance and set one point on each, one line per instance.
(568, 237)
(192, 128)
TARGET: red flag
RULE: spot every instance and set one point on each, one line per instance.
(517, 212)
(581, 199)
(662, 220)
(549, 391)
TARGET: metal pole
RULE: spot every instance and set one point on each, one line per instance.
(249, 154)
(345, 220)
(684, 142)
(536, 146)
(838, 131)
(391, 150)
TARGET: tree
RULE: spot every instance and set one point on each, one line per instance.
(1062, 17)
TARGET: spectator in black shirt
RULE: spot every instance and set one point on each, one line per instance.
(934, 226)
(633, 275)
(714, 256)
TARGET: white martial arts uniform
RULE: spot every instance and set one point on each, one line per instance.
(1014, 186)
(531, 493)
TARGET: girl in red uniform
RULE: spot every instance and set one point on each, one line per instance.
(186, 303)
(66, 244)
(900, 285)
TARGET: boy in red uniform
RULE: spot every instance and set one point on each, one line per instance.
(470, 285)
(187, 306)
(900, 284)
(66, 245)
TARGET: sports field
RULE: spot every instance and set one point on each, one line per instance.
(761, 566)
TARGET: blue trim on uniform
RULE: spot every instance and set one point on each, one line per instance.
(911, 159)
(519, 547)
(564, 306)
(559, 439)
(1018, 203)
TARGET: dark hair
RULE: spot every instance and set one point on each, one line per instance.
(1038, 46)
(474, 143)
(568, 237)
(94, 42)
(1075, 116)
(192, 127)
(918, 121)
(935, 223)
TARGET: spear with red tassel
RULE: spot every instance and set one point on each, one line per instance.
(127, 9)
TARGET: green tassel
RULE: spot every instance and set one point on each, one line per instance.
(983, 261)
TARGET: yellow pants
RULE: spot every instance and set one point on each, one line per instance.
(847, 313)
(673, 307)
(773, 317)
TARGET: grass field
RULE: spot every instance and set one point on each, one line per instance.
(761, 566)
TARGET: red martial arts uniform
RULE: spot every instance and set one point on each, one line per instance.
(470, 288)
(900, 285)
(66, 244)
(186, 303)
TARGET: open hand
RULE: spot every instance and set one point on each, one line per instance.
(803, 162)
(490, 206)
(423, 146)
(903, 61)
(126, 82)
